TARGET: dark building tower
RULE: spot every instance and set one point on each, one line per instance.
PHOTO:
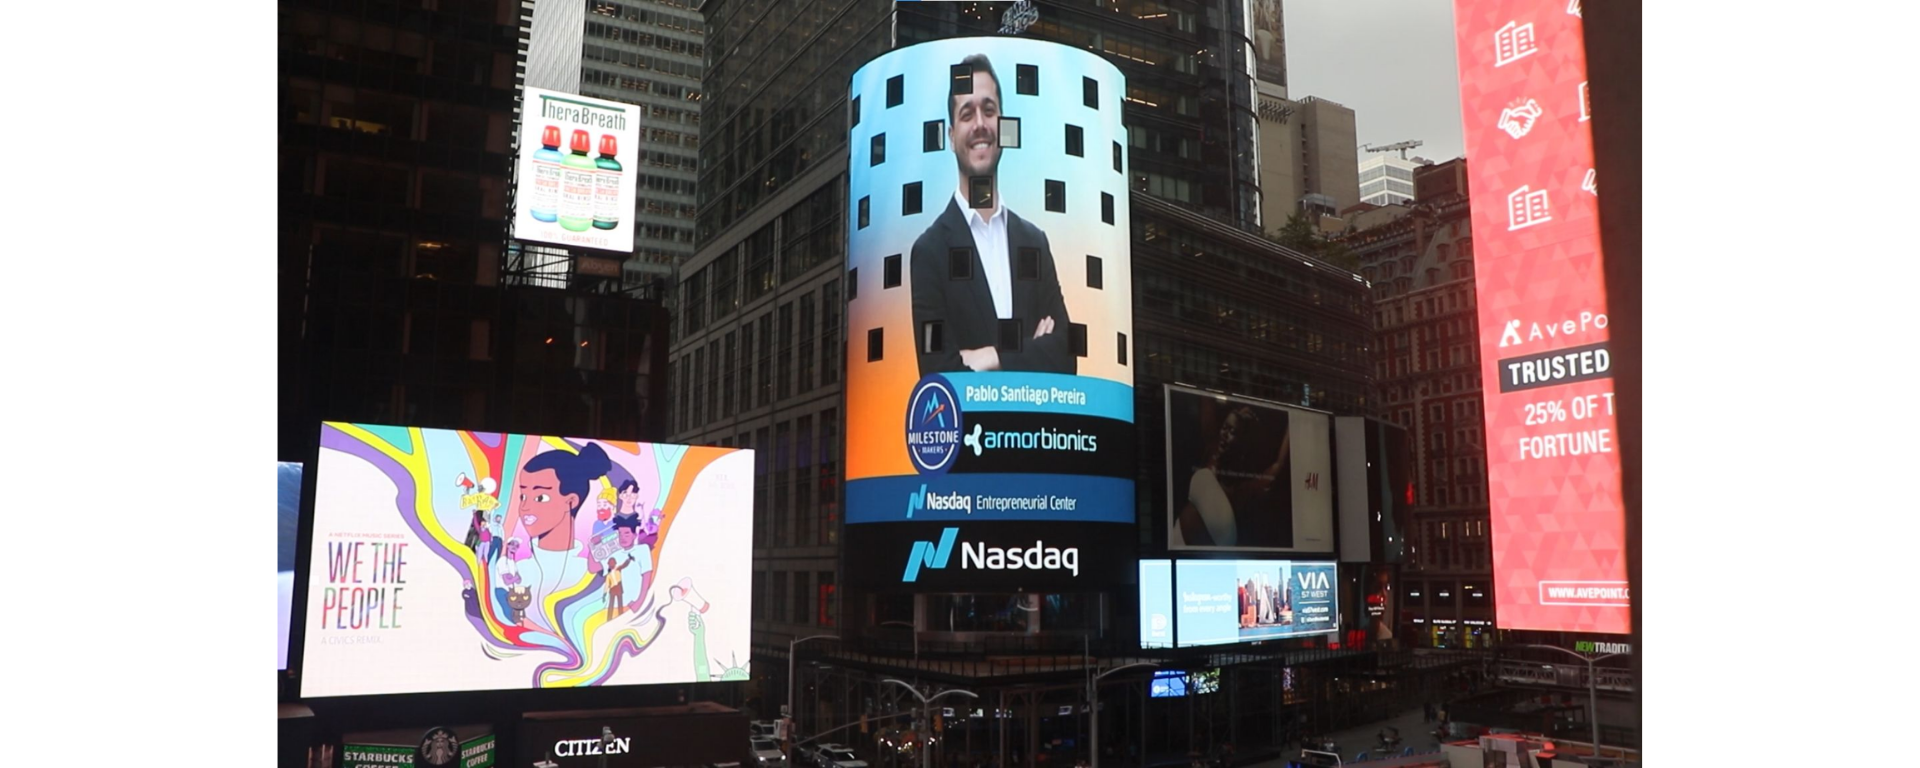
(1420, 265)
(396, 140)
(758, 360)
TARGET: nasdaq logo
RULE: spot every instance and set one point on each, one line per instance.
(922, 499)
(929, 554)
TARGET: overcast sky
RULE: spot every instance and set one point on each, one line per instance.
(1391, 61)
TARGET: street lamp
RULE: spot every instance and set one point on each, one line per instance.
(1093, 703)
(926, 710)
(1593, 688)
(790, 656)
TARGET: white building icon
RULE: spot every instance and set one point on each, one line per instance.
(1526, 207)
(1512, 43)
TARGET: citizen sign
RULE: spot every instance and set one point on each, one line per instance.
(586, 747)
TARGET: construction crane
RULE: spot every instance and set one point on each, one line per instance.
(1403, 146)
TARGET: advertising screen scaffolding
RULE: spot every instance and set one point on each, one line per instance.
(1553, 478)
(448, 560)
(990, 380)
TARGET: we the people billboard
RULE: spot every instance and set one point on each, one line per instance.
(452, 560)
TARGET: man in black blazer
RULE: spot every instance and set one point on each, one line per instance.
(985, 293)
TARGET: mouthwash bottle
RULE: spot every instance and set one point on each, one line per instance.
(576, 186)
(606, 185)
(546, 176)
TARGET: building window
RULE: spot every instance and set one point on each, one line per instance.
(877, 153)
(896, 90)
(1056, 198)
(1090, 92)
(876, 350)
(910, 198)
(1026, 79)
(1076, 139)
(933, 136)
(890, 272)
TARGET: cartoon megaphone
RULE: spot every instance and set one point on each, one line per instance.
(684, 591)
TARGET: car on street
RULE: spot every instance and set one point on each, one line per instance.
(832, 755)
(767, 754)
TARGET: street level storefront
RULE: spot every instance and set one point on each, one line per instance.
(469, 746)
(701, 733)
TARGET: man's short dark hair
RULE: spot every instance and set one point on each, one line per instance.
(980, 64)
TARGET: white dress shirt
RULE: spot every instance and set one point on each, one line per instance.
(990, 241)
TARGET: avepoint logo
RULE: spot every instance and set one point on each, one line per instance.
(979, 556)
(933, 425)
(1513, 336)
(921, 499)
(1042, 439)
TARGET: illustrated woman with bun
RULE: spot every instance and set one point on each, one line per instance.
(550, 490)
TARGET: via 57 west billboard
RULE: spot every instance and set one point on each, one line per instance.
(990, 435)
(1219, 602)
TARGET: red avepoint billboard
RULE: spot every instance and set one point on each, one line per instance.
(1553, 476)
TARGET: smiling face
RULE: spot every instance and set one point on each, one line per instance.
(973, 129)
(541, 507)
(628, 498)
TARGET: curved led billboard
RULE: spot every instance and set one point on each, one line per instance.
(448, 560)
(1557, 520)
(989, 377)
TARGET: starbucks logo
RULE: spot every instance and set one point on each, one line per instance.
(438, 747)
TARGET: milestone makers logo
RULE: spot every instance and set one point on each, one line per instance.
(933, 425)
(979, 556)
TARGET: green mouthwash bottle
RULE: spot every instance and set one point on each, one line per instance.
(606, 185)
(576, 186)
(546, 176)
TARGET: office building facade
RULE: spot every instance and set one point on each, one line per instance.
(1387, 179)
(1427, 370)
(396, 130)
